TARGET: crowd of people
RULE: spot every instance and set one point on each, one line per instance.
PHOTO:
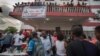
(48, 4)
(44, 43)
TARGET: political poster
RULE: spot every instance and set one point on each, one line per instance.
(34, 12)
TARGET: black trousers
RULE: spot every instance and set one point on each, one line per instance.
(54, 50)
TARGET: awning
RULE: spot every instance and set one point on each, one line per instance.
(6, 21)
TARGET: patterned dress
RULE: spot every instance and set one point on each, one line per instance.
(39, 50)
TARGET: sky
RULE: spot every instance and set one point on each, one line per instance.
(7, 5)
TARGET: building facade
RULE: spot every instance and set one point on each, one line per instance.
(95, 4)
(63, 14)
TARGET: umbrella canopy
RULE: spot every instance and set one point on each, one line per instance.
(6, 21)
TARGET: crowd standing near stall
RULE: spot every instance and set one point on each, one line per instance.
(47, 43)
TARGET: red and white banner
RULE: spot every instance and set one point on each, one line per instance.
(34, 12)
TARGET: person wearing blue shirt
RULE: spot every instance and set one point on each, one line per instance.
(35, 46)
(30, 49)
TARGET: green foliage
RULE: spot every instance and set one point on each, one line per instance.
(11, 29)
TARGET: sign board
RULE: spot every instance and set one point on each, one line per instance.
(34, 12)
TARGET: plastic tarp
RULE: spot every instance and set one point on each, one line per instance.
(6, 21)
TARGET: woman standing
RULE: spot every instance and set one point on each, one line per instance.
(61, 46)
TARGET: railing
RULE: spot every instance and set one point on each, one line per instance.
(53, 7)
(65, 9)
(60, 11)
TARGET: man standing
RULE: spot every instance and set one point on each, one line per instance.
(79, 46)
(46, 43)
(8, 40)
(97, 34)
(18, 40)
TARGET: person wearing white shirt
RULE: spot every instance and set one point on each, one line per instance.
(60, 46)
(39, 33)
(18, 40)
(47, 44)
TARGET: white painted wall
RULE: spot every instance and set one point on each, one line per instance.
(92, 2)
(88, 28)
(25, 26)
(95, 10)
